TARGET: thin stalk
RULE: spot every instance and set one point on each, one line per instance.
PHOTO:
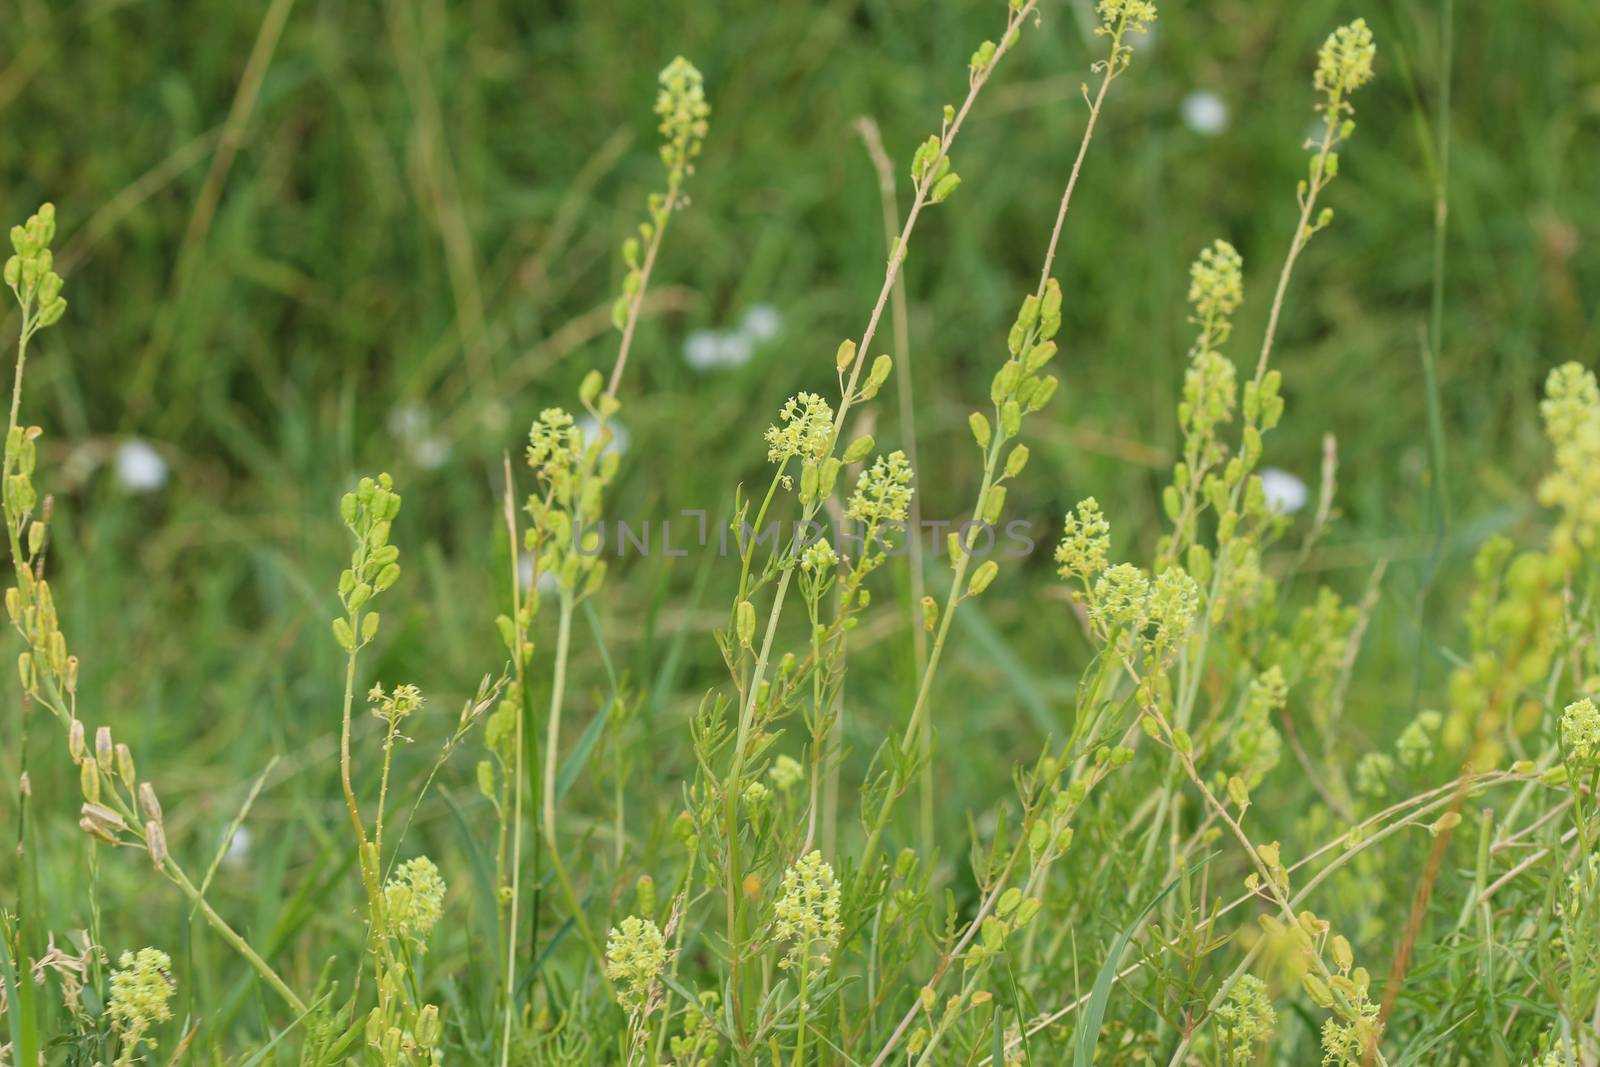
(517, 775)
(231, 936)
(552, 742)
(919, 710)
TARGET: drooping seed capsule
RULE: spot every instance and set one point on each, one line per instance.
(148, 802)
(155, 840)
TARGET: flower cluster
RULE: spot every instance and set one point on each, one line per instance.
(1216, 282)
(807, 914)
(1085, 540)
(636, 954)
(819, 557)
(883, 492)
(1344, 62)
(413, 899)
(1126, 598)
(395, 707)
(554, 442)
(1571, 411)
(1255, 744)
(804, 429)
(1121, 597)
(1580, 733)
(141, 988)
(681, 105)
(786, 773)
(1244, 1021)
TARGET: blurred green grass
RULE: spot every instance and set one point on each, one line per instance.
(416, 239)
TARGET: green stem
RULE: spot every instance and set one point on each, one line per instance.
(552, 742)
(231, 936)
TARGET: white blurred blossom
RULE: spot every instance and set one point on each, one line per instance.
(140, 467)
(1285, 493)
(1205, 112)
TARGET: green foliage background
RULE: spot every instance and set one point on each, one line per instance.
(267, 351)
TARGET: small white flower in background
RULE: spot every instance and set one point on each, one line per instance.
(238, 854)
(140, 467)
(762, 323)
(431, 453)
(701, 349)
(1205, 113)
(734, 349)
(410, 424)
(1285, 493)
(706, 350)
(548, 584)
(589, 426)
(408, 420)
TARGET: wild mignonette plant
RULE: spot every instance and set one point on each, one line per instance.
(1151, 886)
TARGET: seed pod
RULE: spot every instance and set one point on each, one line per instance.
(104, 817)
(746, 622)
(75, 741)
(125, 769)
(645, 891)
(1318, 990)
(845, 356)
(428, 1026)
(104, 750)
(858, 449)
(982, 577)
(148, 802)
(95, 830)
(155, 841)
(89, 781)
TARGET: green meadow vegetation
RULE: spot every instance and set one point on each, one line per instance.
(986, 534)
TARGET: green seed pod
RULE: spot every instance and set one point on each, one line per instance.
(386, 577)
(982, 577)
(1317, 990)
(428, 1028)
(845, 356)
(645, 893)
(1016, 461)
(827, 475)
(993, 501)
(344, 635)
(104, 750)
(980, 429)
(745, 622)
(858, 449)
(89, 781)
(1010, 418)
(808, 483)
(1008, 902)
(125, 768)
(1005, 381)
(878, 375)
